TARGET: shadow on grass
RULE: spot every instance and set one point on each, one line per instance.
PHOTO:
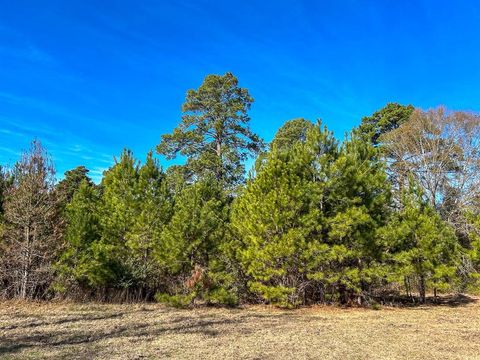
(454, 300)
(44, 339)
(44, 336)
(60, 321)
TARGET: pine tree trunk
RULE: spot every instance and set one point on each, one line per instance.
(407, 287)
(421, 288)
(219, 155)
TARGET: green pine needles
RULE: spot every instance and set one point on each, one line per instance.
(378, 215)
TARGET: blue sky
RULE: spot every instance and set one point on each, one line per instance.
(89, 78)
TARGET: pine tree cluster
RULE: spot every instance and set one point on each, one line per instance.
(317, 220)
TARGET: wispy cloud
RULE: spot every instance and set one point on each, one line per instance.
(67, 149)
(19, 128)
(97, 173)
(9, 132)
(9, 150)
(44, 106)
(65, 113)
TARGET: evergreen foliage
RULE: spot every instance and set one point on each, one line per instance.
(286, 137)
(308, 221)
(384, 120)
(423, 248)
(191, 246)
(113, 231)
(214, 133)
(391, 209)
(71, 183)
(78, 264)
(290, 133)
(470, 264)
(277, 219)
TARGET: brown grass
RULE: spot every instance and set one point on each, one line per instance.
(88, 331)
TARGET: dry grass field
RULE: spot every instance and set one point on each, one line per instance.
(93, 331)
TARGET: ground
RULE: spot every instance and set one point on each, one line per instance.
(144, 331)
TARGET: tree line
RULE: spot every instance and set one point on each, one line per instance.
(390, 211)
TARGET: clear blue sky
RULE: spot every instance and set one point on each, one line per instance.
(91, 77)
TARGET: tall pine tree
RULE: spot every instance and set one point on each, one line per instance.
(214, 134)
(153, 210)
(278, 219)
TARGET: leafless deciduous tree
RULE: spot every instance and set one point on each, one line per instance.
(441, 149)
(30, 236)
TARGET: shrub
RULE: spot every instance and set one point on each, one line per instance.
(179, 301)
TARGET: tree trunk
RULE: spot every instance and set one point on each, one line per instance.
(219, 165)
(421, 289)
(25, 265)
(407, 287)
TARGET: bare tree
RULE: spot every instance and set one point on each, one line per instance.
(30, 239)
(441, 149)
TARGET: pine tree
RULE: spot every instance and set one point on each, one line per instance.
(291, 132)
(98, 221)
(389, 118)
(214, 134)
(355, 206)
(308, 222)
(153, 211)
(191, 244)
(82, 267)
(112, 234)
(118, 213)
(118, 210)
(65, 190)
(279, 219)
(71, 183)
(424, 248)
(469, 268)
